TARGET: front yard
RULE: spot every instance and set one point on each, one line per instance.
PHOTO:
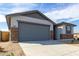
(40, 48)
(10, 49)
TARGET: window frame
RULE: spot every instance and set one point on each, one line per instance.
(68, 29)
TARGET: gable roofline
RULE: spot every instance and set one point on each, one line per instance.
(30, 12)
(65, 23)
(20, 13)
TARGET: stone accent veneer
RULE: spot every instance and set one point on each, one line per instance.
(14, 34)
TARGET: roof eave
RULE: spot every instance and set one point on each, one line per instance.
(29, 12)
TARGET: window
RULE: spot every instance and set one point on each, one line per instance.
(68, 29)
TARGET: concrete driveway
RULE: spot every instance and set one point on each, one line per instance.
(49, 48)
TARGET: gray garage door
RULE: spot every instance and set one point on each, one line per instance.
(31, 32)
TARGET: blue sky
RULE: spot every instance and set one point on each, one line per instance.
(57, 12)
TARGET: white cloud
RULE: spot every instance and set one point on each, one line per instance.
(69, 12)
(16, 8)
(4, 29)
(2, 18)
(24, 4)
(21, 7)
(1, 4)
(73, 19)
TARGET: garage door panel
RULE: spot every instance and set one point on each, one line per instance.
(29, 32)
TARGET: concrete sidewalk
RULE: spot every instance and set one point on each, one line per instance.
(52, 48)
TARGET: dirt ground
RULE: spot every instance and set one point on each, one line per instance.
(10, 47)
(74, 43)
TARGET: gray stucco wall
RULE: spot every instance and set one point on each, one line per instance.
(14, 21)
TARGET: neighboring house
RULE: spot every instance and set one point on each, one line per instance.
(33, 25)
(76, 35)
(64, 30)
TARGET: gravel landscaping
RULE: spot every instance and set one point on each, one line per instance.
(11, 49)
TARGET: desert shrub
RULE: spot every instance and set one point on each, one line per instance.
(11, 54)
(1, 49)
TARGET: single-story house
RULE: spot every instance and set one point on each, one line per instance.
(33, 25)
